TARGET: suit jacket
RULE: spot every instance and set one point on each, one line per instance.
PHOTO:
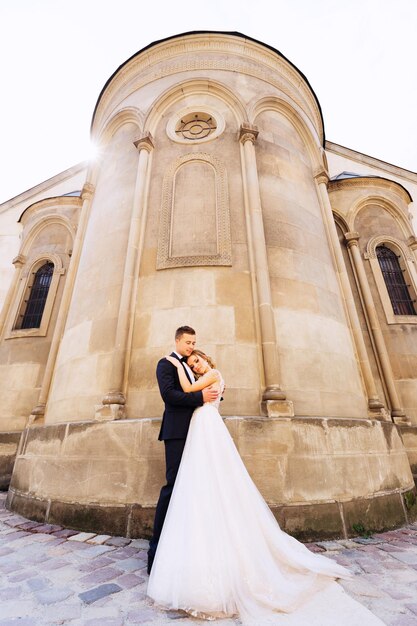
(179, 406)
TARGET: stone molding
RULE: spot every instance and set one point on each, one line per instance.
(365, 159)
(395, 211)
(374, 242)
(44, 256)
(224, 242)
(204, 65)
(26, 270)
(146, 142)
(322, 177)
(352, 238)
(191, 90)
(216, 115)
(87, 191)
(43, 187)
(127, 115)
(54, 202)
(259, 62)
(19, 261)
(42, 222)
(370, 182)
(409, 267)
(412, 242)
(248, 132)
(284, 106)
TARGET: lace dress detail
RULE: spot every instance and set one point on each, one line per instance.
(222, 553)
(220, 386)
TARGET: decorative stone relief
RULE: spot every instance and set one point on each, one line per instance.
(376, 241)
(195, 126)
(194, 224)
(245, 57)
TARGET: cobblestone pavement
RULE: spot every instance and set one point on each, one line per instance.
(52, 575)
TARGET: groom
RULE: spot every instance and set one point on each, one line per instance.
(179, 407)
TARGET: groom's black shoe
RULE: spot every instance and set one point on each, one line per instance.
(150, 562)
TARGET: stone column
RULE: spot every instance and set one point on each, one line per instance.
(39, 411)
(397, 412)
(113, 403)
(375, 406)
(18, 263)
(274, 398)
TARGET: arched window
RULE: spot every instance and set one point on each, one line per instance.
(396, 284)
(31, 316)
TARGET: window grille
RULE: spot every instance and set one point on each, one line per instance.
(35, 303)
(394, 278)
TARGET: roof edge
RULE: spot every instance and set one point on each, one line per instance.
(210, 32)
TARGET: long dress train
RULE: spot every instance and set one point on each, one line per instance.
(222, 553)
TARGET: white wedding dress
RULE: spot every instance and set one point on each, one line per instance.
(222, 553)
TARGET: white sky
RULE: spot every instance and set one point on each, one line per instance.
(358, 55)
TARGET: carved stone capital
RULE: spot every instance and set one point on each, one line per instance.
(19, 261)
(145, 143)
(322, 177)
(248, 132)
(87, 191)
(412, 242)
(352, 239)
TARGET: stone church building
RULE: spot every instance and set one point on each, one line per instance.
(215, 201)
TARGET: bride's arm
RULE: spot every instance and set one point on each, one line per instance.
(208, 379)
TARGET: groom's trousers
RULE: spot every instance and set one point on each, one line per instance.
(173, 454)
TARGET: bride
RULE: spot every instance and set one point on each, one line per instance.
(222, 553)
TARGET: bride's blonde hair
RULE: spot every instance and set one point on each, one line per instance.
(205, 357)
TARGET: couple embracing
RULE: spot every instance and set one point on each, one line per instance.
(217, 550)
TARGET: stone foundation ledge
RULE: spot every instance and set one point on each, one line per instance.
(19, 522)
(307, 522)
(322, 477)
(409, 437)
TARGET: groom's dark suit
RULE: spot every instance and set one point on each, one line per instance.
(179, 407)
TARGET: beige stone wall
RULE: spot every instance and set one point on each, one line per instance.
(340, 470)
(9, 248)
(376, 373)
(373, 208)
(317, 357)
(85, 354)
(234, 235)
(318, 364)
(291, 462)
(341, 159)
(401, 339)
(48, 229)
(217, 301)
(11, 210)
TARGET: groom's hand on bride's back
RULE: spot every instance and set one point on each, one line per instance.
(210, 394)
